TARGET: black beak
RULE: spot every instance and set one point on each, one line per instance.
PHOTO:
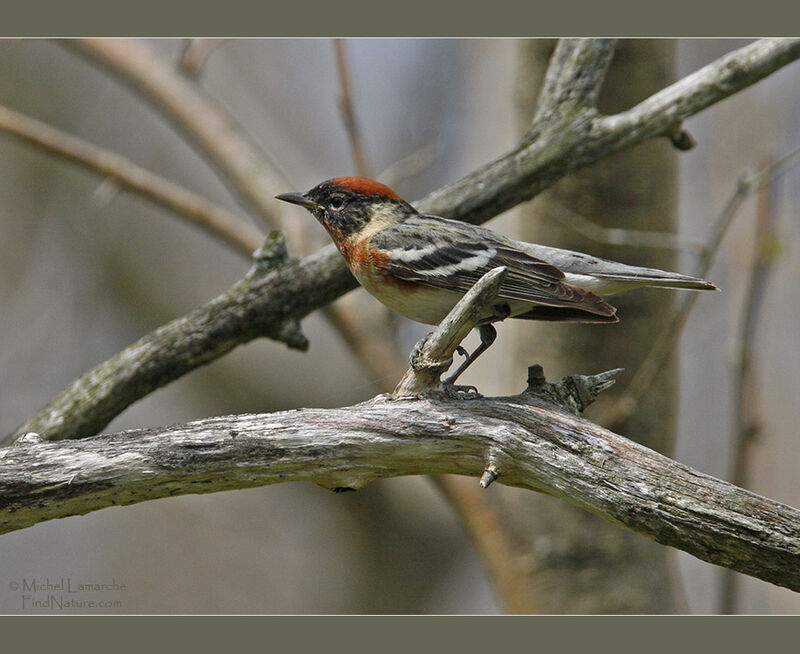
(298, 198)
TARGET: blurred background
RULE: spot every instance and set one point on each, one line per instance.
(86, 269)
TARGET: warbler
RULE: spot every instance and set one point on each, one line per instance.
(420, 265)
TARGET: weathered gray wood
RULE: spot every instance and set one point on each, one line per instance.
(531, 444)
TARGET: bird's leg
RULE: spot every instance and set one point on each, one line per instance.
(488, 334)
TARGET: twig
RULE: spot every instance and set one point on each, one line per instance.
(747, 418)
(533, 443)
(434, 354)
(348, 113)
(195, 55)
(259, 306)
(214, 219)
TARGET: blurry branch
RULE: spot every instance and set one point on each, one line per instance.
(667, 339)
(489, 536)
(214, 219)
(237, 159)
(629, 237)
(348, 113)
(262, 305)
(747, 418)
(373, 345)
(411, 165)
(203, 335)
(431, 358)
(195, 55)
(527, 440)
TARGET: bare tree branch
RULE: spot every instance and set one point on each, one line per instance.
(244, 166)
(490, 538)
(530, 442)
(261, 305)
(237, 316)
(195, 55)
(214, 219)
(638, 238)
(532, 166)
(660, 113)
(574, 78)
(348, 111)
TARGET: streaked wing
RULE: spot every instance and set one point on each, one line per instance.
(452, 255)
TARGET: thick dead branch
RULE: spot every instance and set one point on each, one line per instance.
(530, 442)
(214, 219)
(574, 78)
(261, 305)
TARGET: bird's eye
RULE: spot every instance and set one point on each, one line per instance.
(337, 202)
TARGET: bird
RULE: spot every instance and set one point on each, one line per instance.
(421, 265)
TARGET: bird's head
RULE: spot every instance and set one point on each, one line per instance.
(347, 205)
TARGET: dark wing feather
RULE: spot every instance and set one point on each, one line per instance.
(452, 255)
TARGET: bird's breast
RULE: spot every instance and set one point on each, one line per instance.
(418, 302)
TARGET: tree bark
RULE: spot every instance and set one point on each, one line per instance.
(576, 562)
(532, 440)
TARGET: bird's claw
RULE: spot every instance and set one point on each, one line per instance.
(462, 351)
(460, 391)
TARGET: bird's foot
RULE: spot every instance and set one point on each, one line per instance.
(460, 391)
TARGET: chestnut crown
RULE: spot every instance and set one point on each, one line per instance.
(345, 204)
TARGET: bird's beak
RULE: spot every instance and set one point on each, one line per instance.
(298, 198)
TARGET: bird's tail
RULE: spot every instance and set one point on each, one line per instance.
(662, 278)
